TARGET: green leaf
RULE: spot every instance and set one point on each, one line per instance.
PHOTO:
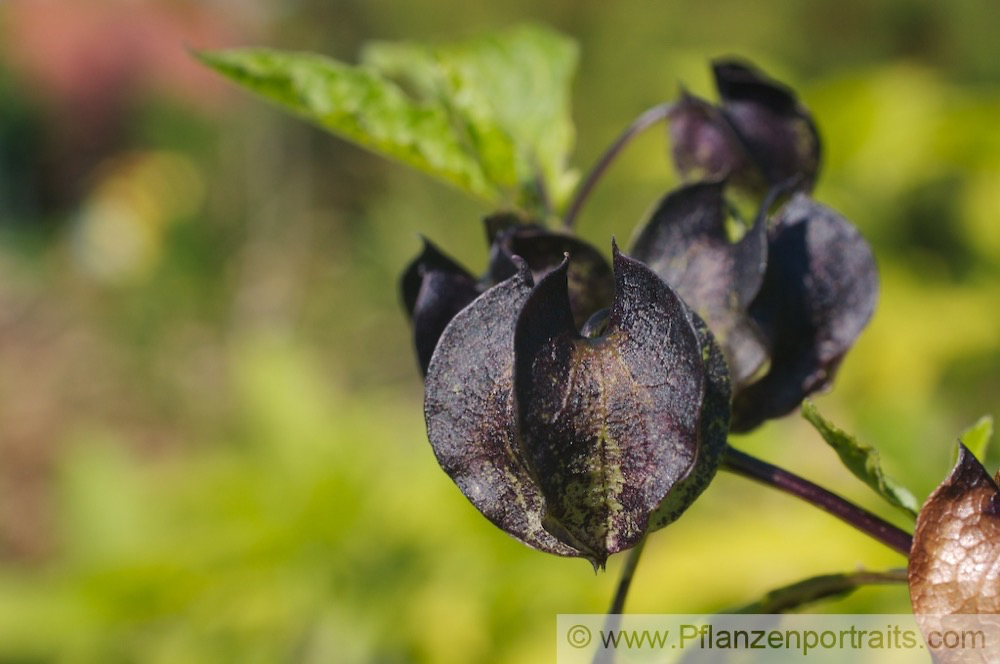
(977, 437)
(510, 95)
(359, 105)
(862, 460)
(490, 115)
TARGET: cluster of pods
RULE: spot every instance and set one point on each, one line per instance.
(579, 404)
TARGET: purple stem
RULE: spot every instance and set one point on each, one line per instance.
(640, 124)
(874, 526)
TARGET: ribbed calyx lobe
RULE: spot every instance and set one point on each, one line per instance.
(609, 425)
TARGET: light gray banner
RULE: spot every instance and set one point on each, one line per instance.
(746, 639)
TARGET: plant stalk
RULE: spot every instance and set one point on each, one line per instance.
(625, 580)
(817, 588)
(646, 120)
(614, 618)
(742, 463)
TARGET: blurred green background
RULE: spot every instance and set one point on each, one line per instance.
(211, 437)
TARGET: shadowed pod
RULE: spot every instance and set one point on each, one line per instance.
(819, 292)
(790, 296)
(686, 242)
(434, 287)
(577, 445)
(759, 137)
(786, 301)
(590, 281)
